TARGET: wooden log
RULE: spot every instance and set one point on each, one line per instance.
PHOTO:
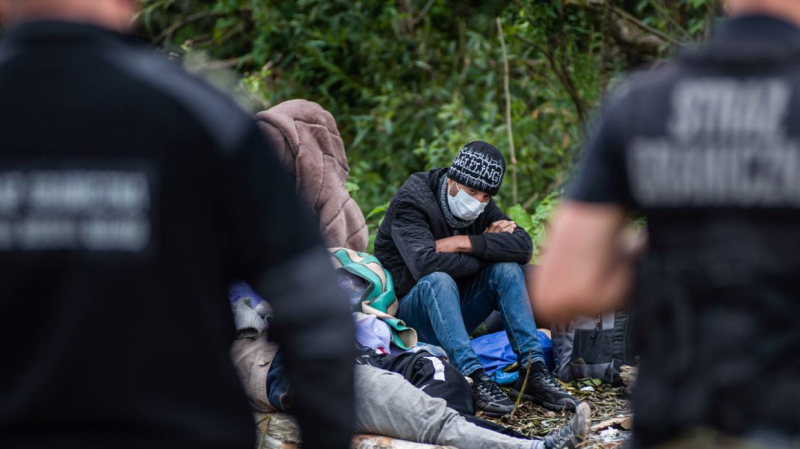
(276, 428)
(377, 442)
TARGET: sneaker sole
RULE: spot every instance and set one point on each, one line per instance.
(583, 421)
(493, 414)
(547, 405)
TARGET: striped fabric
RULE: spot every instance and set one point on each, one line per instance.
(378, 298)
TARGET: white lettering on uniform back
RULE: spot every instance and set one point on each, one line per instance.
(726, 146)
(94, 210)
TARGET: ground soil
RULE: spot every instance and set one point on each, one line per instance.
(607, 402)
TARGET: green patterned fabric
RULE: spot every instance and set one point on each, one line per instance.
(378, 298)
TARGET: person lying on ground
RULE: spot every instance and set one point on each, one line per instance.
(386, 403)
(706, 147)
(455, 257)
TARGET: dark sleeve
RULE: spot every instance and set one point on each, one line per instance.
(272, 242)
(602, 175)
(502, 247)
(413, 237)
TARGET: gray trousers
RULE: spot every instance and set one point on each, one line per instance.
(388, 405)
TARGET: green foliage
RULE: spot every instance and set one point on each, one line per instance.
(351, 187)
(686, 19)
(535, 224)
(411, 81)
(374, 220)
(521, 217)
(587, 382)
(539, 218)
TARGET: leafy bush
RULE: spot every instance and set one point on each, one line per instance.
(535, 224)
(411, 81)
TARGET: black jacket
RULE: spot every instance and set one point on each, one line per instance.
(131, 195)
(406, 240)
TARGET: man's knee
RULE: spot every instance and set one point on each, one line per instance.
(506, 270)
(440, 282)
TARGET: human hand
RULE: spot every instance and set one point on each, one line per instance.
(501, 226)
(457, 244)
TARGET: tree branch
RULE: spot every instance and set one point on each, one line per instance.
(422, 13)
(169, 32)
(564, 77)
(509, 130)
(625, 15)
(605, 50)
(666, 14)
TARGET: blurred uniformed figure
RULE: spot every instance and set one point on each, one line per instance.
(707, 147)
(131, 196)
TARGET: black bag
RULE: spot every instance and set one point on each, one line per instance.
(594, 347)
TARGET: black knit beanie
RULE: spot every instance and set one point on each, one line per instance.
(479, 166)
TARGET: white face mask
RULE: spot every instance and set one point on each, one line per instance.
(464, 206)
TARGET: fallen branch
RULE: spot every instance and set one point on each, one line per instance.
(524, 384)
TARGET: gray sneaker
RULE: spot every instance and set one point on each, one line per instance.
(574, 433)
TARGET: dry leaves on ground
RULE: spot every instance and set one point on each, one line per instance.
(610, 406)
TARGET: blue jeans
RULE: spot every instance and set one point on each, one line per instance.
(442, 315)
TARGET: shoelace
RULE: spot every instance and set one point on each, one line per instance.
(492, 390)
(550, 379)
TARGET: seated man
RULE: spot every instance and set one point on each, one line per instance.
(455, 257)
